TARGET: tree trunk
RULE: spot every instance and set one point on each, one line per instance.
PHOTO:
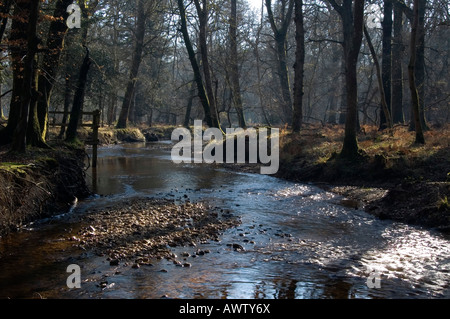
(343, 106)
(420, 64)
(2, 115)
(78, 100)
(299, 67)
(187, 117)
(5, 6)
(26, 94)
(17, 38)
(386, 64)
(353, 25)
(280, 34)
(135, 64)
(236, 87)
(420, 139)
(398, 116)
(195, 66)
(258, 67)
(202, 12)
(34, 136)
(50, 62)
(381, 85)
(67, 100)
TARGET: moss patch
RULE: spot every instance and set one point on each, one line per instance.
(39, 184)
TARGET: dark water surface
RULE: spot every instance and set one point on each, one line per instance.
(299, 242)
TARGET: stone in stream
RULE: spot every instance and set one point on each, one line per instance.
(114, 262)
(238, 247)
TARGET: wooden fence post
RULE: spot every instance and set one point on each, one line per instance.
(95, 139)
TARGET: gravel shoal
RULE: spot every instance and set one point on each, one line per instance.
(143, 229)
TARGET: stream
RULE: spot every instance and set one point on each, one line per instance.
(300, 242)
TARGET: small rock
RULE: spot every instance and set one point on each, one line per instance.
(187, 265)
(114, 262)
(135, 266)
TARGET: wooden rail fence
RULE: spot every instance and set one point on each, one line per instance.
(95, 126)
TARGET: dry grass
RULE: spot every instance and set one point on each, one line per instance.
(318, 144)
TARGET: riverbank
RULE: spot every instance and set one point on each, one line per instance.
(394, 178)
(113, 136)
(39, 184)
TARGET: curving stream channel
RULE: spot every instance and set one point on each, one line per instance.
(299, 242)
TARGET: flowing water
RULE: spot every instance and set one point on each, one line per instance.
(299, 242)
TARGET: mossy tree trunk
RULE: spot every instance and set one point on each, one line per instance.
(50, 62)
(78, 101)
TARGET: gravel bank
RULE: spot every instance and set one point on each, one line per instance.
(141, 229)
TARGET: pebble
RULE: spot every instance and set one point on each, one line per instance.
(114, 262)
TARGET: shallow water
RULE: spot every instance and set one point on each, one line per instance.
(299, 242)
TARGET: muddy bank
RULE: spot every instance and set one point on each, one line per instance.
(136, 231)
(39, 184)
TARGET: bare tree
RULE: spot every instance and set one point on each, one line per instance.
(353, 24)
(280, 34)
(299, 67)
(420, 139)
(195, 67)
(236, 87)
(135, 64)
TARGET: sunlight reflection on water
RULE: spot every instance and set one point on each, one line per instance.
(305, 245)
